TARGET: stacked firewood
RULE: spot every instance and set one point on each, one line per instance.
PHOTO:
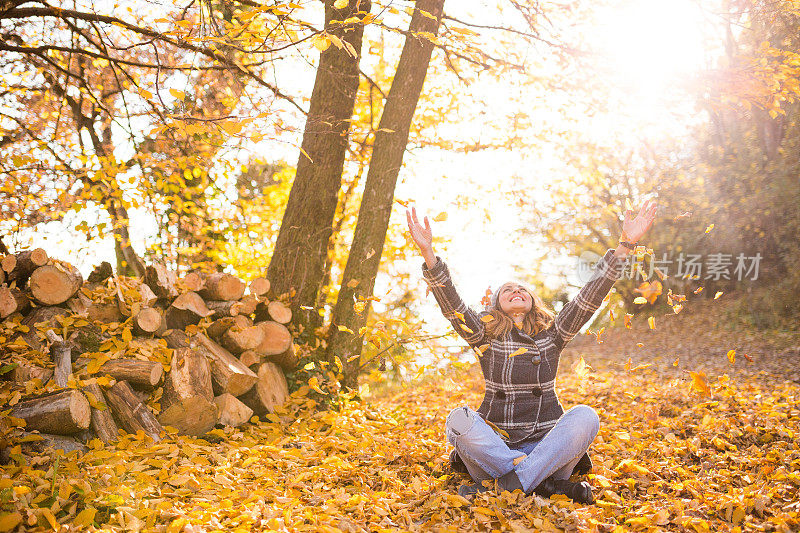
(86, 359)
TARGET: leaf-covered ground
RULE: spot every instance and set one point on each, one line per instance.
(666, 458)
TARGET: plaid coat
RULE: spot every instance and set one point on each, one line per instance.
(520, 395)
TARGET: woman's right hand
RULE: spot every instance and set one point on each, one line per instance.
(422, 236)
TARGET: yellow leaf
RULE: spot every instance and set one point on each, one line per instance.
(487, 318)
(50, 517)
(85, 517)
(732, 356)
(309, 366)
(345, 329)
(519, 459)
(465, 328)
(709, 228)
(441, 217)
(501, 432)
(699, 382)
(459, 315)
(628, 317)
(97, 361)
(457, 500)
(651, 321)
(640, 300)
(127, 336)
(314, 384)
(718, 295)
(321, 42)
(94, 402)
(518, 351)
(581, 368)
(10, 521)
(180, 95)
(340, 4)
(482, 348)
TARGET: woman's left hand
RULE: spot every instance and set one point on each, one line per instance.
(634, 228)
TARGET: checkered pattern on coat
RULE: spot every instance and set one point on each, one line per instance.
(520, 395)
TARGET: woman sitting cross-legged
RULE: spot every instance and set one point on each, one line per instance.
(520, 343)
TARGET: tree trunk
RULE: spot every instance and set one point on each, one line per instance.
(298, 261)
(376, 204)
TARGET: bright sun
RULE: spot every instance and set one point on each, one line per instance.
(647, 46)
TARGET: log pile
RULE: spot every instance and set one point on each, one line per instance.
(90, 358)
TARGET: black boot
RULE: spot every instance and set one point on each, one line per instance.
(580, 492)
(509, 482)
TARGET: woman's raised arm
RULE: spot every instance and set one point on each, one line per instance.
(580, 309)
(464, 320)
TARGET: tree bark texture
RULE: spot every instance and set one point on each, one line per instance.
(298, 261)
(376, 205)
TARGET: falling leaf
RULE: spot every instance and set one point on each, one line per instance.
(717, 295)
(709, 228)
(340, 4)
(180, 95)
(581, 368)
(732, 356)
(345, 329)
(747, 357)
(649, 291)
(628, 317)
(309, 366)
(487, 318)
(519, 459)
(640, 300)
(697, 290)
(441, 217)
(700, 383)
(518, 351)
(651, 321)
(465, 328)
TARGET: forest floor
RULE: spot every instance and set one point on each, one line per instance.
(675, 452)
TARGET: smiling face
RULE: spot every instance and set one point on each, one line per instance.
(514, 299)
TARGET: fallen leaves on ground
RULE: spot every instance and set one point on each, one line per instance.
(665, 458)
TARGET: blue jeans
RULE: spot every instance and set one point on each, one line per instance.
(487, 456)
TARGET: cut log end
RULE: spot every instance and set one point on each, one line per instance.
(147, 321)
(279, 312)
(259, 287)
(277, 338)
(51, 285)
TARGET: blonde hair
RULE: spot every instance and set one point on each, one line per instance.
(537, 319)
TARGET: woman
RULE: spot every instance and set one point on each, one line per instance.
(520, 344)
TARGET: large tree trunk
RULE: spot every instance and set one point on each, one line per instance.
(298, 261)
(376, 204)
